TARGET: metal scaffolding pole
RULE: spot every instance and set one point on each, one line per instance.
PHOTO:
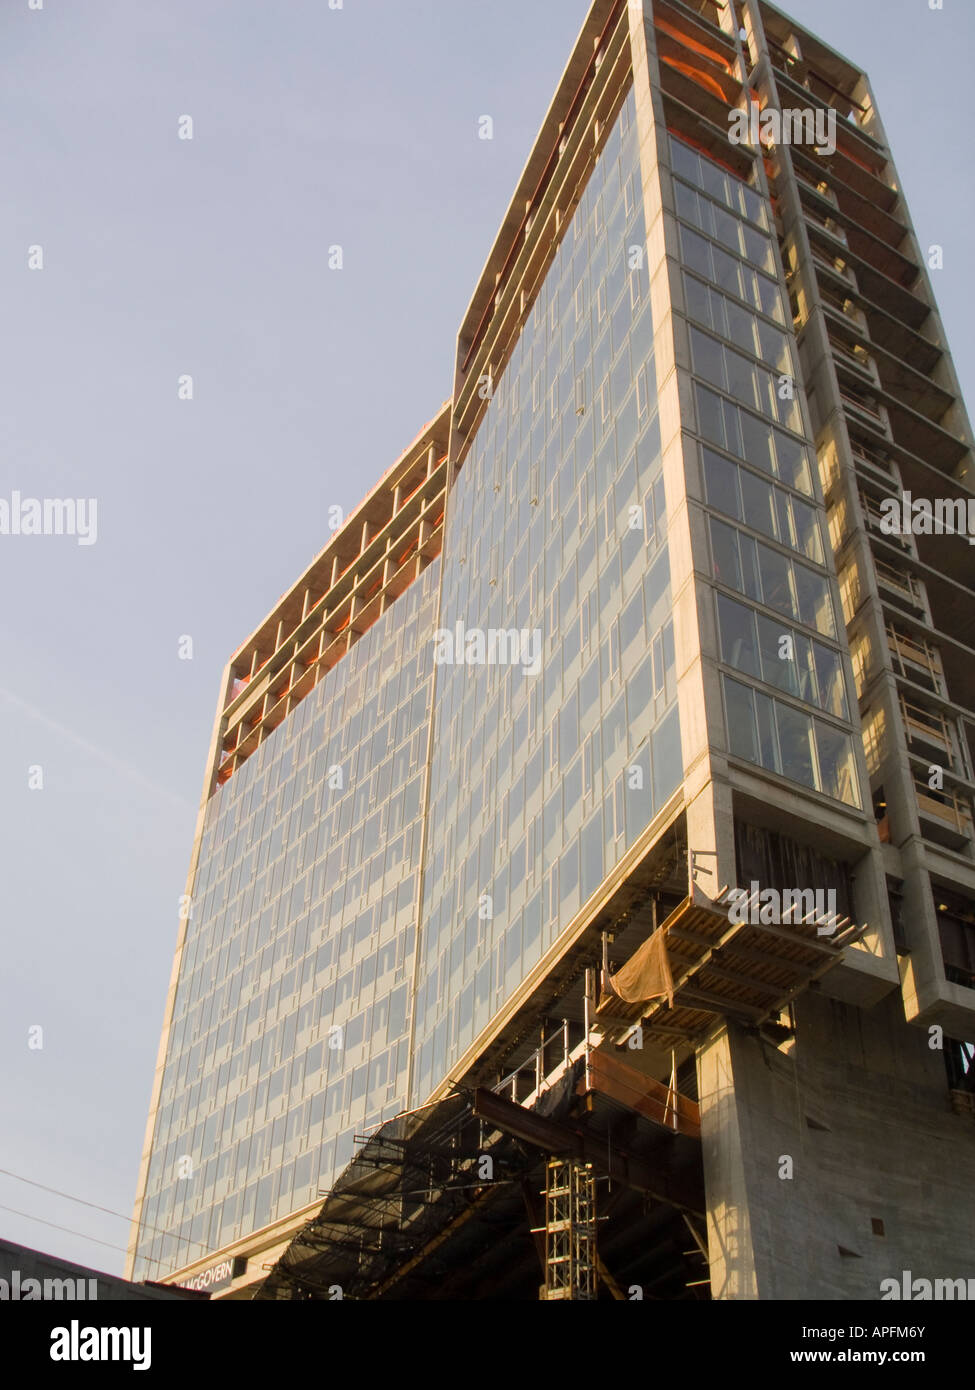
(570, 1230)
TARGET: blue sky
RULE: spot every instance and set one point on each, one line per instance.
(209, 257)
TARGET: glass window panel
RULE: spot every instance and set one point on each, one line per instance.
(569, 879)
(786, 410)
(783, 513)
(770, 300)
(756, 437)
(687, 201)
(631, 620)
(620, 327)
(724, 549)
(721, 484)
(648, 452)
(751, 294)
(752, 584)
(592, 854)
(757, 503)
(767, 740)
(776, 574)
(758, 248)
(727, 272)
(774, 347)
(815, 605)
(669, 661)
(614, 727)
(656, 592)
(806, 524)
(837, 768)
(792, 464)
(639, 694)
(805, 669)
(714, 181)
(601, 358)
(650, 521)
(736, 627)
(710, 416)
(726, 229)
(627, 423)
(641, 338)
(777, 656)
(696, 299)
(740, 711)
(638, 794)
(572, 796)
(684, 160)
(766, 386)
(609, 585)
(588, 692)
(743, 378)
(832, 689)
(708, 357)
(659, 510)
(740, 327)
(696, 252)
(732, 432)
(705, 216)
(796, 744)
(568, 732)
(668, 766)
(658, 664)
(753, 205)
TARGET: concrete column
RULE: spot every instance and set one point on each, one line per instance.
(732, 1257)
(710, 824)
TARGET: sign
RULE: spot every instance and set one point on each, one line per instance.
(209, 1280)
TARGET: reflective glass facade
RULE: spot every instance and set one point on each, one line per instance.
(541, 781)
(291, 1024)
(765, 530)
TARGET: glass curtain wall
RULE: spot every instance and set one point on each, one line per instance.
(291, 1024)
(544, 773)
(786, 702)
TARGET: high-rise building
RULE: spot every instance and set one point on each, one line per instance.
(583, 899)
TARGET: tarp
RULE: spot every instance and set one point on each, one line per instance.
(645, 976)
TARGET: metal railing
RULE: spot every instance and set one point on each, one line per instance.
(946, 806)
(900, 580)
(919, 653)
(926, 724)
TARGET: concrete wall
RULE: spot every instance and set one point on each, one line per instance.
(859, 1102)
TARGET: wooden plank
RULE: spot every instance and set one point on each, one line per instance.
(762, 957)
(747, 981)
(682, 934)
(793, 938)
(721, 1003)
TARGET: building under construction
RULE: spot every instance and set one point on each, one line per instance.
(583, 895)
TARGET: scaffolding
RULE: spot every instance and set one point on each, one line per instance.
(570, 1230)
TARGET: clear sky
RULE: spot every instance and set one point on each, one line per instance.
(208, 257)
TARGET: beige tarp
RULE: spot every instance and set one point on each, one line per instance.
(646, 975)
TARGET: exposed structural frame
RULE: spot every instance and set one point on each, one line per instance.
(590, 94)
(383, 546)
